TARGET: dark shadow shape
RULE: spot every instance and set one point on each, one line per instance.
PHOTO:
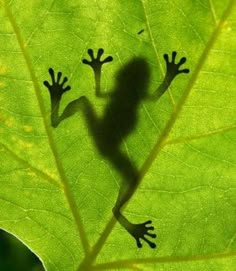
(140, 32)
(15, 256)
(119, 119)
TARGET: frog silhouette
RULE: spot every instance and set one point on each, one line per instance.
(119, 119)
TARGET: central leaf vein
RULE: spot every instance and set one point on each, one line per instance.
(88, 261)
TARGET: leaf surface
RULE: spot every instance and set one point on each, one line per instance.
(57, 191)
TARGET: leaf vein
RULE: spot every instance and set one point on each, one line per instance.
(67, 191)
(125, 263)
(88, 261)
(204, 135)
(28, 165)
(155, 49)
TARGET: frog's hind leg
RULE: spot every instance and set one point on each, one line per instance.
(127, 189)
(130, 176)
(84, 105)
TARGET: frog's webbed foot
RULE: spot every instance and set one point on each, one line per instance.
(96, 62)
(172, 67)
(57, 88)
(138, 231)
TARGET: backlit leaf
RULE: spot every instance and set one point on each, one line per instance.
(57, 190)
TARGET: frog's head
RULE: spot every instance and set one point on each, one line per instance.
(133, 79)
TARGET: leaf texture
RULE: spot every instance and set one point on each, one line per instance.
(57, 191)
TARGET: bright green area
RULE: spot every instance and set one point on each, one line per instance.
(54, 183)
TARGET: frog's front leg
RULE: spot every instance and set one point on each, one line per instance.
(96, 64)
(56, 90)
(172, 70)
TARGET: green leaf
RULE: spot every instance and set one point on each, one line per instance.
(57, 191)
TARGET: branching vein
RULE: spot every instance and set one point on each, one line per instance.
(131, 262)
(88, 261)
(66, 186)
(37, 171)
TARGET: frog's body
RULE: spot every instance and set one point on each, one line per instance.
(118, 120)
(120, 114)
